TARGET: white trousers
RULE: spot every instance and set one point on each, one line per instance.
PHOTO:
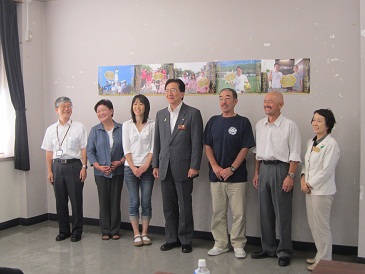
(318, 212)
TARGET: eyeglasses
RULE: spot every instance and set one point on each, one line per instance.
(225, 99)
(174, 90)
(65, 106)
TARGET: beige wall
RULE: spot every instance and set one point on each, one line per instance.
(9, 191)
(81, 35)
(361, 244)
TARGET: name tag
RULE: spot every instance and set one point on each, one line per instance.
(182, 127)
(316, 149)
(59, 152)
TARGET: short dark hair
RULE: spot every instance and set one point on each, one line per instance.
(276, 64)
(328, 116)
(177, 81)
(143, 99)
(238, 67)
(234, 93)
(104, 102)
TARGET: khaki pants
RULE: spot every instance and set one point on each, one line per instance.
(234, 194)
(318, 212)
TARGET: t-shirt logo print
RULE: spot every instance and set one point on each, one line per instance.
(232, 130)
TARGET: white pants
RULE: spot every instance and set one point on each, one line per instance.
(318, 212)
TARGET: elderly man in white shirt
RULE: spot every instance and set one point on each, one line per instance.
(65, 145)
(278, 144)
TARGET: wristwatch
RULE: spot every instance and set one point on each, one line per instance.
(84, 166)
(291, 175)
(233, 169)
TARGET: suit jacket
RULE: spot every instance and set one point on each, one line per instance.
(320, 165)
(182, 148)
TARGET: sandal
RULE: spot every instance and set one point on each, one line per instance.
(105, 237)
(116, 237)
(137, 240)
(146, 240)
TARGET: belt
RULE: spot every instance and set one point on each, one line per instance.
(65, 161)
(272, 162)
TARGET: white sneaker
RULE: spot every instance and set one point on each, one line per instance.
(217, 251)
(239, 252)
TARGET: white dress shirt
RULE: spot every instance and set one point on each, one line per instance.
(173, 115)
(72, 136)
(277, 141)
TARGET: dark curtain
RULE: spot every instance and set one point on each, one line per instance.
(10, 46)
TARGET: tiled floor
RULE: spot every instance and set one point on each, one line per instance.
(33, 249)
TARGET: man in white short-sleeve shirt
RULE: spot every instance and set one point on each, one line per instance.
(240, 81)
(275, 77)
(65, 146)
(277, 157)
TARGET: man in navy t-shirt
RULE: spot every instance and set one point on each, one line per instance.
(227, 139)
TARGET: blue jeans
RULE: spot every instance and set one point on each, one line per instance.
(145, 182)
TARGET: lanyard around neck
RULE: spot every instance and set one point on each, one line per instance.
(58, 139)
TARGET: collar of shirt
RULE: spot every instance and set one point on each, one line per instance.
(316, 142)
(277, 121)
(173, 116)
(176, 110)
(100, 126)
(69, 122)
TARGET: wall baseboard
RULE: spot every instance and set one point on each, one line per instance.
(24, 221)
(360, 260)
(33, 220)
(305, 246)
(9, 224)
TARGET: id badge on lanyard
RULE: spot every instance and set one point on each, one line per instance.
(59, 152)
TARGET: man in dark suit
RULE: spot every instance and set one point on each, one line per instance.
(176, 161)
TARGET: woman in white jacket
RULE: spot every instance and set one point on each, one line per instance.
(318, 183)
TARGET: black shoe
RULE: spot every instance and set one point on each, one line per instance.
(284, 261)
(62, 236)
(261, 254)
(186, 248)
(169, 246)
(75, 237)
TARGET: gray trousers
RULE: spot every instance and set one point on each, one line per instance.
(178, 210)
(67, 185)
(275, 209)
(109, 192)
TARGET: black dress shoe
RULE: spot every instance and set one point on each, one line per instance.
(169, 246)
(62, 236)
(186, 248)
(75, 237)
(261, 254)
(284, 261)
